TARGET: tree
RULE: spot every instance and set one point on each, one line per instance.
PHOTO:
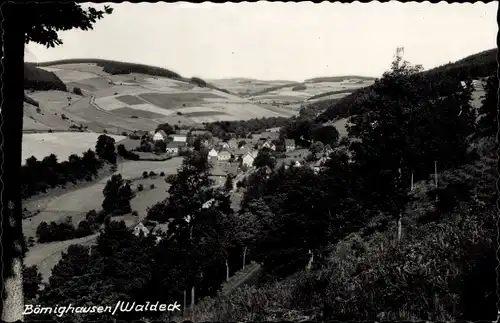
(228, 185)
(241, 143)
(328, 135)
(77, 91)
(40, 26)
(117, 195)
(32, 280)
(488, 122)
(264, 158)
(105, 148)
(169, 130)
(316, 148)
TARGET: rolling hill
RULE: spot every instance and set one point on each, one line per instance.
(474, 67)
(122, 97)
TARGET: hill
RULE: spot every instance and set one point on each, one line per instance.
(122, 68)
(339, 78)
(475, 66)
(121, 97)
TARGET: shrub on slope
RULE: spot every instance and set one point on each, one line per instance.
(40, 80)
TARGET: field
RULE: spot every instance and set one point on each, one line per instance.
(309, 91)
(149, 99)
(60, 144)
(78, 202)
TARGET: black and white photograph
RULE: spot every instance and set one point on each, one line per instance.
(264, 161)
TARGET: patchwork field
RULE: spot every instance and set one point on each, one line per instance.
(60, 144)
(309, 91)
(140, 102)
(243, 86)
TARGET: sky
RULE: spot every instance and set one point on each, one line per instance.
(280, 41)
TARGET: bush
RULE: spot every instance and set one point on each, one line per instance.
(179, 113)
(140, 187)
(152, 186)
(50, 131)
(38, 110)
(134, 213)
(151, 174)
(63, 116)
(145, 174)
(162, 174)
(77, 91)
(124, 134)
(104, 131)
(55, 231)
(300, 87)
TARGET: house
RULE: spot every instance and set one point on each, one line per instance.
(213, 153)
(183, 132)
(233, 169)
(270, 135)
(318, 165)
(218, 175)
(224, 156)
(269, 145)
(248, 159)
(179, 138)
(160, 135)
(289, 145)
(223, 145)
(140, 227)
(174, 147)
(233, 143)
(241, 152)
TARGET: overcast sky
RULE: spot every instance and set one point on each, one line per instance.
(292, 41)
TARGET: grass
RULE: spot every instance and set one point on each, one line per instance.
(139, 113)
(175, 100)
(203, 113)
(60, 144)
(129, 99)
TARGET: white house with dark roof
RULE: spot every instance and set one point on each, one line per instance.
(179, 138)
(160, 135)
(213, 153)
(172, 148)
(224, 155)
(248, 158)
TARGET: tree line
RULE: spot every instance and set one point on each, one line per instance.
(38, 176)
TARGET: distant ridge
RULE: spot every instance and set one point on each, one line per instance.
(339, 78)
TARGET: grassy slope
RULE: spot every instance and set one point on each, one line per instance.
(120, 68)
(474, 66)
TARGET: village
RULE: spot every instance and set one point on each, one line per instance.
(237, 155)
